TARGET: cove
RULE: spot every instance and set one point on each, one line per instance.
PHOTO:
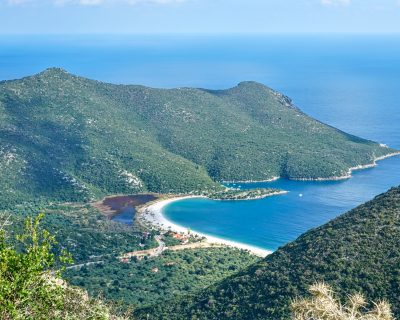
(350, 82)
(274, 221)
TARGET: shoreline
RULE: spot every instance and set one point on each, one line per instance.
(152, 216)
(275, 193)
(333, 178)
(250, 181)
(351, 169)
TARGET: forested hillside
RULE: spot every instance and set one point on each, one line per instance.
(96, 243)
(357, 252)
(156, 280)
(67, 138)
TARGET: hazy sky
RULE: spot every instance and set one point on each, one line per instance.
(198, 16)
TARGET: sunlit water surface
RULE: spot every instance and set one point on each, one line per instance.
(350, 82)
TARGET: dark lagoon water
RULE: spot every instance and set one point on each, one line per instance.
(350, 82)
(123, 207)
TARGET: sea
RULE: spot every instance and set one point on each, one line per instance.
(351, 82)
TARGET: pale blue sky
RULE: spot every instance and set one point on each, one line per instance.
(199, 16)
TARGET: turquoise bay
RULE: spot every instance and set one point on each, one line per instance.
(350, 82)
(274, 221)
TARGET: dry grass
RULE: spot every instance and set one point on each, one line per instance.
(322, 305)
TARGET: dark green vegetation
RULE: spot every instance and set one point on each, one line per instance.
(233, 194)
(30, 283)
(86, 233)
(155, 280)
(357, 252)
(92, 238)
(66, 138)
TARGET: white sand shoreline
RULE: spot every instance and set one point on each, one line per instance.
(274, 193)
(250, 181)
(153, 215)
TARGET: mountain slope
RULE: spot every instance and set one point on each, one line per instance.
(69, 138)
(358, 251)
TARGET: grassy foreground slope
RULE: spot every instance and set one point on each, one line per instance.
(357, 252)
(68, 138)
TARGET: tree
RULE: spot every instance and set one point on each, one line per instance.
(31, 286)
(322, 305)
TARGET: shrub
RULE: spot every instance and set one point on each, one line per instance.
(324, 306)
(31, 286)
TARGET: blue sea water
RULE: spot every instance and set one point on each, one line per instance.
(350, 82)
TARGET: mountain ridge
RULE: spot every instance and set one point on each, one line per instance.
(68, 138)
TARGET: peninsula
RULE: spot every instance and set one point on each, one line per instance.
(68, 138)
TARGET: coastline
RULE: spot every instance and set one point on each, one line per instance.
(350, 171)
(333, 178)
(250, 181)
(275, 193)
(152, 216)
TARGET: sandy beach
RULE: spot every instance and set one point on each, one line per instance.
(153, 215)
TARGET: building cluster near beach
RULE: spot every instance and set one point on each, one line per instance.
(152, 216)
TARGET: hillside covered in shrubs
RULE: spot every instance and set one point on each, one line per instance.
(67, 138)
(356, 252)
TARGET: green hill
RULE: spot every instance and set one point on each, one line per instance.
(68, 138)
(358, 251)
